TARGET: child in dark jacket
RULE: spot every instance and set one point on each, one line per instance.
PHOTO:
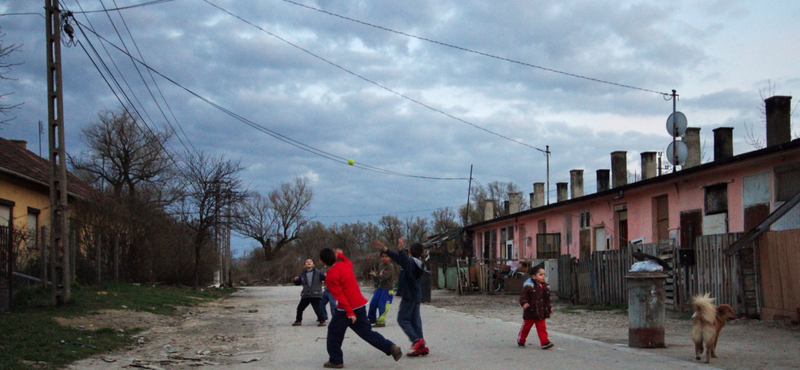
(535, 301)
(311, 280)
(408, 316)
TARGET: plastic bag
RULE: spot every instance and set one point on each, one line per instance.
(646, 265)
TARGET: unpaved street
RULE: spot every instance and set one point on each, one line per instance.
(251, 330)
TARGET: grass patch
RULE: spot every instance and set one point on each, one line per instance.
(30, 337)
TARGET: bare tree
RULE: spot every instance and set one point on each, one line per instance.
(276, 221)
(211, 184)
(443, 219)
(391, 228)
(5, 68)
(417, 229)
(123, 154)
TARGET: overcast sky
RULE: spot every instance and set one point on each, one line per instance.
(421, 89)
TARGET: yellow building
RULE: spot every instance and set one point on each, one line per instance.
(25, 203)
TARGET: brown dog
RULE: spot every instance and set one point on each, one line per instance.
(707, 321)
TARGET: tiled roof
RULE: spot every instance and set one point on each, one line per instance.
(17, 161)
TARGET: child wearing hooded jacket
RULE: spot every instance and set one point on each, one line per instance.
(535, 302)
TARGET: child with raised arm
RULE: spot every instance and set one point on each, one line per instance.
(351, 311)
(535, 302)
(408, 316)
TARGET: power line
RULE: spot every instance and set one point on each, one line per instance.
(385, 213)
(478, 52)
(155, 2)
(373, 82)
(286, 139)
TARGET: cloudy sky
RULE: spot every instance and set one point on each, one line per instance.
(415, 92)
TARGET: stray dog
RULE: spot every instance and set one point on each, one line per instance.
(707, 321)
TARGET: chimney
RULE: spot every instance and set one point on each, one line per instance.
(603, 178)
(619, 169)
(779, 122)
(514, 199)
(692, 140)
(723, 143)
(649, 165)
(488, 209)
(531, 199)
(506, 207)
(21, 143)
(561, 191)
(538, 194)
(576, 183)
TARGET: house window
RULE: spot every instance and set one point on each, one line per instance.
(585, 220)
(487, 239)
(716, 199)
(661, 217)
(548, 245)
(787, 182)
(33, 225)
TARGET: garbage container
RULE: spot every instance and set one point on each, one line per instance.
(646, 309)
(425, 285)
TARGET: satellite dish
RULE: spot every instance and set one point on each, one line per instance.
(680, 123)
(683, 152)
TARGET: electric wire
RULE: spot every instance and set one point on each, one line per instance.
(373, 82)
(155, 2)
(286, 139)
(155, 100)
(477, 52)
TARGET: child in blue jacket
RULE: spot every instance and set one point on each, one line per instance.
(408, 316)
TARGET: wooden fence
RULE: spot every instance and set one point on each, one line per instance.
(779, 256)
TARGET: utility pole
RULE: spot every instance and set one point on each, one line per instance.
(469, 193)
(60, 268)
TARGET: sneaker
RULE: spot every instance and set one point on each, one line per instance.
(297, 323)
(321, 323)
(376, 325)
(424, 351)
(329, 365)
(521, 344)
(419, 344)
(396, 352)
(547, 345)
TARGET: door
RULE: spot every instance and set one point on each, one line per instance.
(600, 239)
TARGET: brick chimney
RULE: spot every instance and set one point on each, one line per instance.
(779, 119)
(576, 183)
(514, 199)
(619, 169)
(21, 143)
(723, 143)
(538, 194)
(649, 165)
(488, 209)
(692, 140)
(603, 180)
(561, 191)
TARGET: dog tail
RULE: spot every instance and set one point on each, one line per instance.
(704, 307)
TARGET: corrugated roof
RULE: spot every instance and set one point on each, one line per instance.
(16, 161)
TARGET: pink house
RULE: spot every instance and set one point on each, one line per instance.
(729, 194)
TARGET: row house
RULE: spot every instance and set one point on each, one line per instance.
(731, 193)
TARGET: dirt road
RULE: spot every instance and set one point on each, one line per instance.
(251, 330)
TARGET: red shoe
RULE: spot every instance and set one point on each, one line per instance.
(419, 344)
(424, 351)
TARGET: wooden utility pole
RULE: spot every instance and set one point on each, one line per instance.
(60, 268)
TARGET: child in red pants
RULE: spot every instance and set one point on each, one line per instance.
(535, 301)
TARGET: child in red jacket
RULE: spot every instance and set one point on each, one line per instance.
(351, 311)
(535, 301)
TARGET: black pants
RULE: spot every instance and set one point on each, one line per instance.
(338, 326)
(304, 302)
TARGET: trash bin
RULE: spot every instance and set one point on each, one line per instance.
(425, 285)
(646, 309)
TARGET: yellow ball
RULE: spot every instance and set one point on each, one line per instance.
(350, 162)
